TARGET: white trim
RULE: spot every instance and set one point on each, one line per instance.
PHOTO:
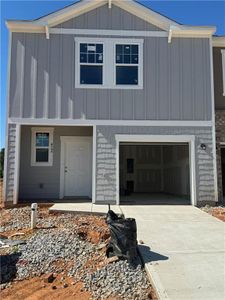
(50, 148)
(223, 69)
(47, 32)
(108, 32)
(130, 6)
(190, 139)
(139, 65)
(91, 122)
(222, 144)
(7, 124)
(78, 41)
(170, 36)
(63, 140)
(17, 164)
(109, 64)
(94, 165)
(213, 120)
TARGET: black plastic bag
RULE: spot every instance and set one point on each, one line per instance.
(123, 237)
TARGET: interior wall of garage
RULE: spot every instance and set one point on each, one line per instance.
(157, 169)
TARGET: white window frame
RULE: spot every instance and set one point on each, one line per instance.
(109, 62)
(34, 131)
(139, 65)
(223, 70)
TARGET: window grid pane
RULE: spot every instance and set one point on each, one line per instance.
(91, 53)
(42, 139)
(127, 54)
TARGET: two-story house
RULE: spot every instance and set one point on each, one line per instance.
(219, 85)
(110, 101)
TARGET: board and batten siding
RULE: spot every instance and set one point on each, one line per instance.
(176, 75)
(176, 82)
(105, 18)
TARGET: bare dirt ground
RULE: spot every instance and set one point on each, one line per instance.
(217, 212)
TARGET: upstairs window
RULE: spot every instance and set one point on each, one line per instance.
(42, 147)
(109, 63)
(127, 64)
(223, 69)
(91, 63)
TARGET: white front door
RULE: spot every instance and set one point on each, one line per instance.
(77, 166)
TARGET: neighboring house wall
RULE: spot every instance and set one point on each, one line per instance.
(220, 138)
(220, 112)
(218, 78)
(43, 182)
(106, 157)
(176, 79)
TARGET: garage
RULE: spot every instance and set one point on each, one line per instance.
(154, 173)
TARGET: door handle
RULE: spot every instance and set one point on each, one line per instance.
(65, 169)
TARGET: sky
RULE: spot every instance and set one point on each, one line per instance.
(185, 12)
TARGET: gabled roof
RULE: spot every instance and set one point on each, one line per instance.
(85, 6)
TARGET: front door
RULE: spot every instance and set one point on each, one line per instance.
(77, 166)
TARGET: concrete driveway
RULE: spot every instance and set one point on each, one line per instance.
(184, 250)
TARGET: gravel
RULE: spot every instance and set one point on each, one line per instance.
(118, 278)
(45, 248)
(61, 251)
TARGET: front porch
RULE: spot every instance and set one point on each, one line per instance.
(55, 164)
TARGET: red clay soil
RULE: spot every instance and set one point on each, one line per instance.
(36, 289)
(219, 213)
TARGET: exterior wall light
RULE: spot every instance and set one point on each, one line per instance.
(203, 147)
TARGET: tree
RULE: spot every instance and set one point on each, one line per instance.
(2, 154)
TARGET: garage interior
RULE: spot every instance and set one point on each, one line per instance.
(154, 173)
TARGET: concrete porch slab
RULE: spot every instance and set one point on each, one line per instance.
(84, 208)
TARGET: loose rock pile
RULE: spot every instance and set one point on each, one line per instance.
(120, 279)
(62, 250)
(45, 248)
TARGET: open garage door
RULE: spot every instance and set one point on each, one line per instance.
(154, 173)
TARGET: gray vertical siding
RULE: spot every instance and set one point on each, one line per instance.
(176, 82)
(105, 18)
(218, 79)
(106, 159)
(176, 76)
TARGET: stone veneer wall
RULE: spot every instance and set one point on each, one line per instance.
(106, 159)
(220, 138)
